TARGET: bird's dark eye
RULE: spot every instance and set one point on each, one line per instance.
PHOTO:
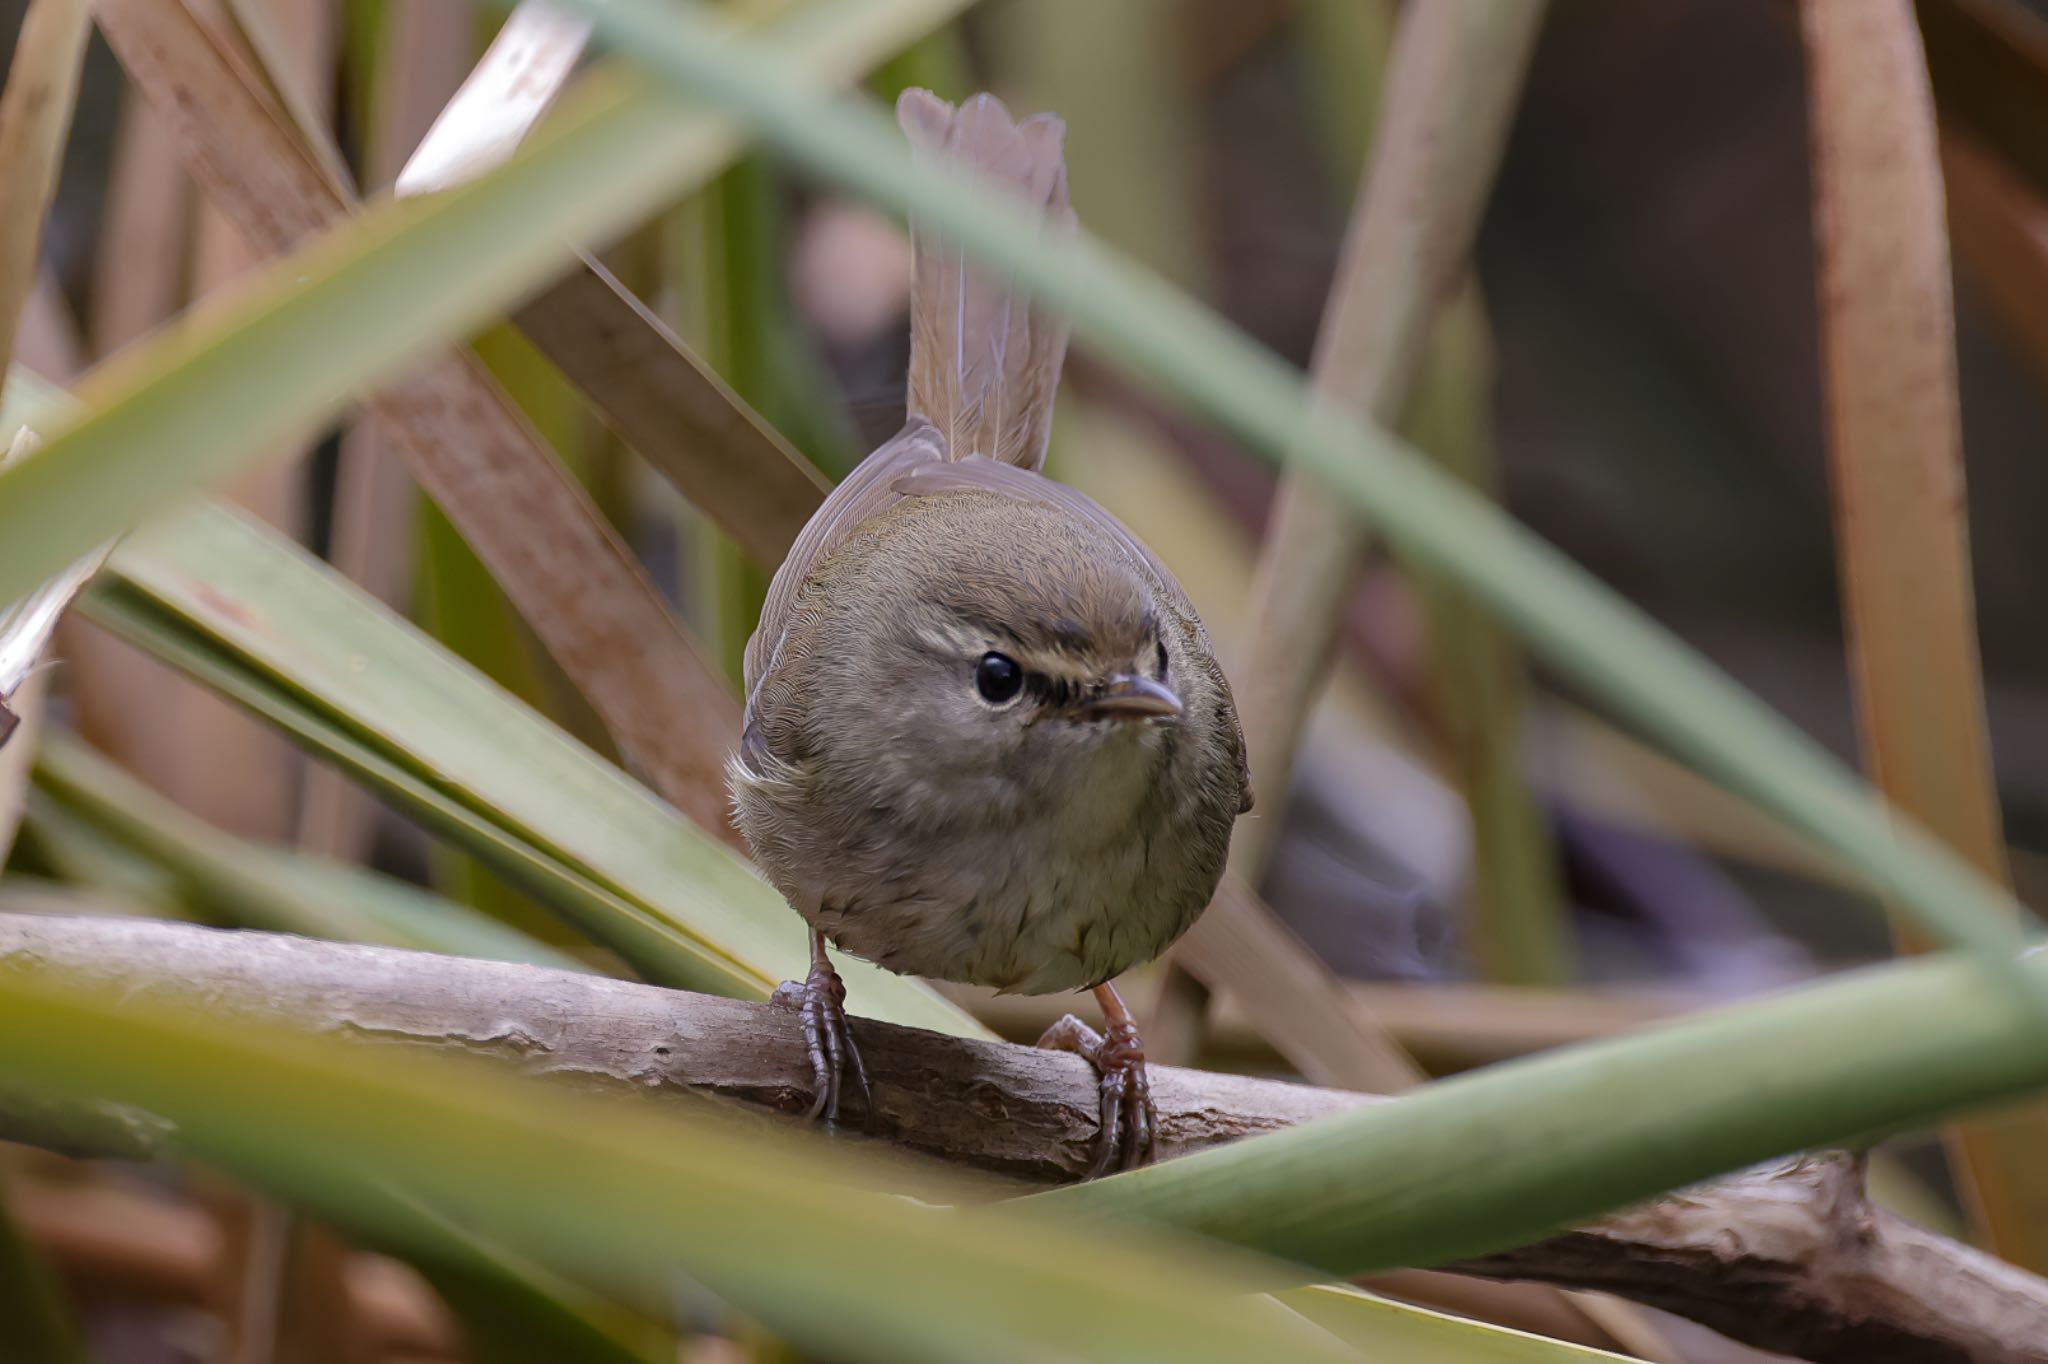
(998, 678)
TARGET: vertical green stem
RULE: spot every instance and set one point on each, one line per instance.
(1520, 930)
(35, 1321)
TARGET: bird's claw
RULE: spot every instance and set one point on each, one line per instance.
(1129, 1132)
(820, 1002)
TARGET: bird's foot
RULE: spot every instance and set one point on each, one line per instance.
(820, 1002)
(1129, 1134)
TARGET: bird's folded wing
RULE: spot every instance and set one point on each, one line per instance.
(869, 489)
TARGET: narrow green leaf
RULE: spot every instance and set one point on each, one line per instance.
(659, 955)
(383, 909)
(285, 352)
(37, 1321)
(308, 331)
(248, 612)
(513, 1309)
(251, 614)
(1396, 1331)
(1504, 1155)
(1520, 928)
(81, 860)
(776, 1223)
(1578, 625)
(251, 886)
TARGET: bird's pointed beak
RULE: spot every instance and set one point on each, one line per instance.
(1127, 696)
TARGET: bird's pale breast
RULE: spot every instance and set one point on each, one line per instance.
(1059, 901)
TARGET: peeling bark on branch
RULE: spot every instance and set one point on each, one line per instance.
(1789, 1258)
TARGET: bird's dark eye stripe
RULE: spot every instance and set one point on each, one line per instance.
(1050, 690)
(1162, 660)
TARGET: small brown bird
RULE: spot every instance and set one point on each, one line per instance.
(986, 740)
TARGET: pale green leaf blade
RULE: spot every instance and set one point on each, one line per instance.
(1504, 1155)
(784, 1226)
(657, 951)
(1383, 1329)
(1581, 627)
(39, 1324)
(249, 885)
(436, 723)
(246, 611)
(306, 332)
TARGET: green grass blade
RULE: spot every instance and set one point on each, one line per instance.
(38, 1322)
(513, 1310)
(657, 951)
(251, 886)
(1582, 628)
(1501, 1156)
(1416, 1336)
(1520, 929)
(284, 353)
(383, 909)
(776, 1223)
(247, 611)
(308, 331)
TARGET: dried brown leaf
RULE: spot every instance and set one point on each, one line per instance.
(669, 405)
(1294, 999)
(524, 68)
(139, 273)
(1895, 452)
(529, 521)
(35, 116)
(424, 53)
(1432, 166)
(650, 389)
(2000, 223)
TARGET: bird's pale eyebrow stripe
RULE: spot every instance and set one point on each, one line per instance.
(944, 641)
(1063, 634)
(988, 625)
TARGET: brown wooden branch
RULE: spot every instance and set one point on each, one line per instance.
(1790, 1259)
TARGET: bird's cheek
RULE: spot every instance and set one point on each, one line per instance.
(1055, 756)
(933, 711)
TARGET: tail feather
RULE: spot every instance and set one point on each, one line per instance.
(984, 364)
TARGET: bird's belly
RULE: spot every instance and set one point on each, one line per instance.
(1018, 914)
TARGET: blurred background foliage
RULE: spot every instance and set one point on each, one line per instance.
(1638, 374)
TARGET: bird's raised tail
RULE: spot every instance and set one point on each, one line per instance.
(984, 364)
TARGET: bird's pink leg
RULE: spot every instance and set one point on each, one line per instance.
(1129, 1133)
(820, 1002)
